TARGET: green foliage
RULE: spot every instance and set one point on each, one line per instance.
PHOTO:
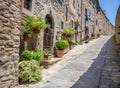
(36, 23)
(71, 41)
(68, 31)
(27, 55)
(61, 44)
(46, 52)
(33, 55)
(29, 71)
(81, 31)
(38, 55)
(26, 30)
(93, 35)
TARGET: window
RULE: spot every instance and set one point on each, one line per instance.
(86, 12)
(96, 22)
(62, 25)
(72, 23)
(66, 13)
(28, 4)
(78, 10)
(86, 15)
(61, 2)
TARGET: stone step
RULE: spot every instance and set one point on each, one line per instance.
(47, 63)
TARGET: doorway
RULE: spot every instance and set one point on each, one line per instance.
(48, 33)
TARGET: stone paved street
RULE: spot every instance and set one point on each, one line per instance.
(91, 68)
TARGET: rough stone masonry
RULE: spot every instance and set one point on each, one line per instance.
(9, 42)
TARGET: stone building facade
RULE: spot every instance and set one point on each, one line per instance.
(59, 14)
(117, 26)
(77, 14)
(9, 42)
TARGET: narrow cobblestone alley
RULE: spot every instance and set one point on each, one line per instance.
(94, 68)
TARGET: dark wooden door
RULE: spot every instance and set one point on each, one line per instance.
(76, 33)
(48, 39)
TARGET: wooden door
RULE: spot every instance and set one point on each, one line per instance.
(48, 39)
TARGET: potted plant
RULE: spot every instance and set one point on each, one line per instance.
(60, 45)
(26, 33)
(80, 31)
(71, 42)
(47, 54)
(29, 71)
(36, 24)
(67, 32)
(98, 35)
(92, 36)
(33, 55)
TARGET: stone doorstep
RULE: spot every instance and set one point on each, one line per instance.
(47, 63)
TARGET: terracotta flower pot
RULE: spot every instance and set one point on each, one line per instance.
(60, 53)
(26, 37)
(48, 57)
(36, 31)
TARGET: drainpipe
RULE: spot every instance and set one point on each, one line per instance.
(81, 14)
(21, 15)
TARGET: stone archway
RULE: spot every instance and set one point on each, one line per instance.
(48, 33)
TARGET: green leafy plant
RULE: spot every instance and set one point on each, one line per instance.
(68, 31)
(36, 23)
(33, 55)
(61, 44)
(38, 55)
(29, 71)
(27, 55)
(46, 51)
(93, 35)
(26, 30)
(80, 31)
(71, 41)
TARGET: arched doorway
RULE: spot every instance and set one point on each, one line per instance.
(48, 33)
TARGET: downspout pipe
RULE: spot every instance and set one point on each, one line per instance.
(21, 16)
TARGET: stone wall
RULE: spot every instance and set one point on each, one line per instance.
(117, 26)
(9, 42)
(104, 24)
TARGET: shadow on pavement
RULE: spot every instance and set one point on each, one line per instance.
(99, 74)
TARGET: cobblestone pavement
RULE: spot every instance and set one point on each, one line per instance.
(85, 66)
